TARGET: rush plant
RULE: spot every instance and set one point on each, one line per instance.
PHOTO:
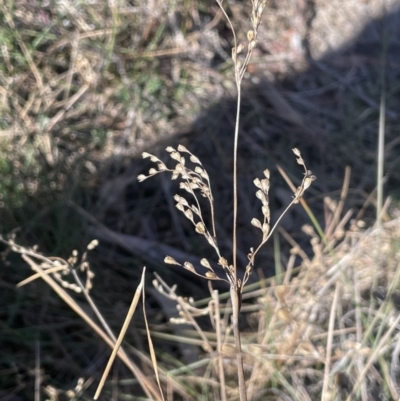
(195, 181)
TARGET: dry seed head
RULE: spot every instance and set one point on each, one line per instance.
(300, 161)
(195, 210)
(152, 171)
(260, 195)
(186, 187)
(261, 7)
(257, 183)
(205, 191)
(267, 173)
(169, 260)
(157, 286)
(309, 230)
(308, 180)
(239, 48)
(179, 168)
(204, 262)
(170, 149)
(92, 244)
(223, 262)
(181, 148)
(141, 177)
(265, 185)
(189, 214)
(161, 166)
(185, 175)
(180, 207)
(176, 156)
(181, 200)
(194, 159)
(265, 230)
(204, 174)
(252, 44)
(232, 271)
(210, 240)
(145, 155)
(296, 152)
(256, 223)
(250, 36)
(211, 275)
(198, 170)
(200, 228)
(255, 21)
(189, 266)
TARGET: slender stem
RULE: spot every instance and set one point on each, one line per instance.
(235, 195)
(219, 345)
(238, 346)
(381, 132)
(271, 231)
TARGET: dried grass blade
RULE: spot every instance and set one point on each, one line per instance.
(330, 341)
(146, 384)
(121, 336)
(37, 275)
(151, 347)
(343, 195)
(381, 132)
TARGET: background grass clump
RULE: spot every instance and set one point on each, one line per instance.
(85, 87)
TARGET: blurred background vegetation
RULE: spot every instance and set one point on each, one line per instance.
(86, 86)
